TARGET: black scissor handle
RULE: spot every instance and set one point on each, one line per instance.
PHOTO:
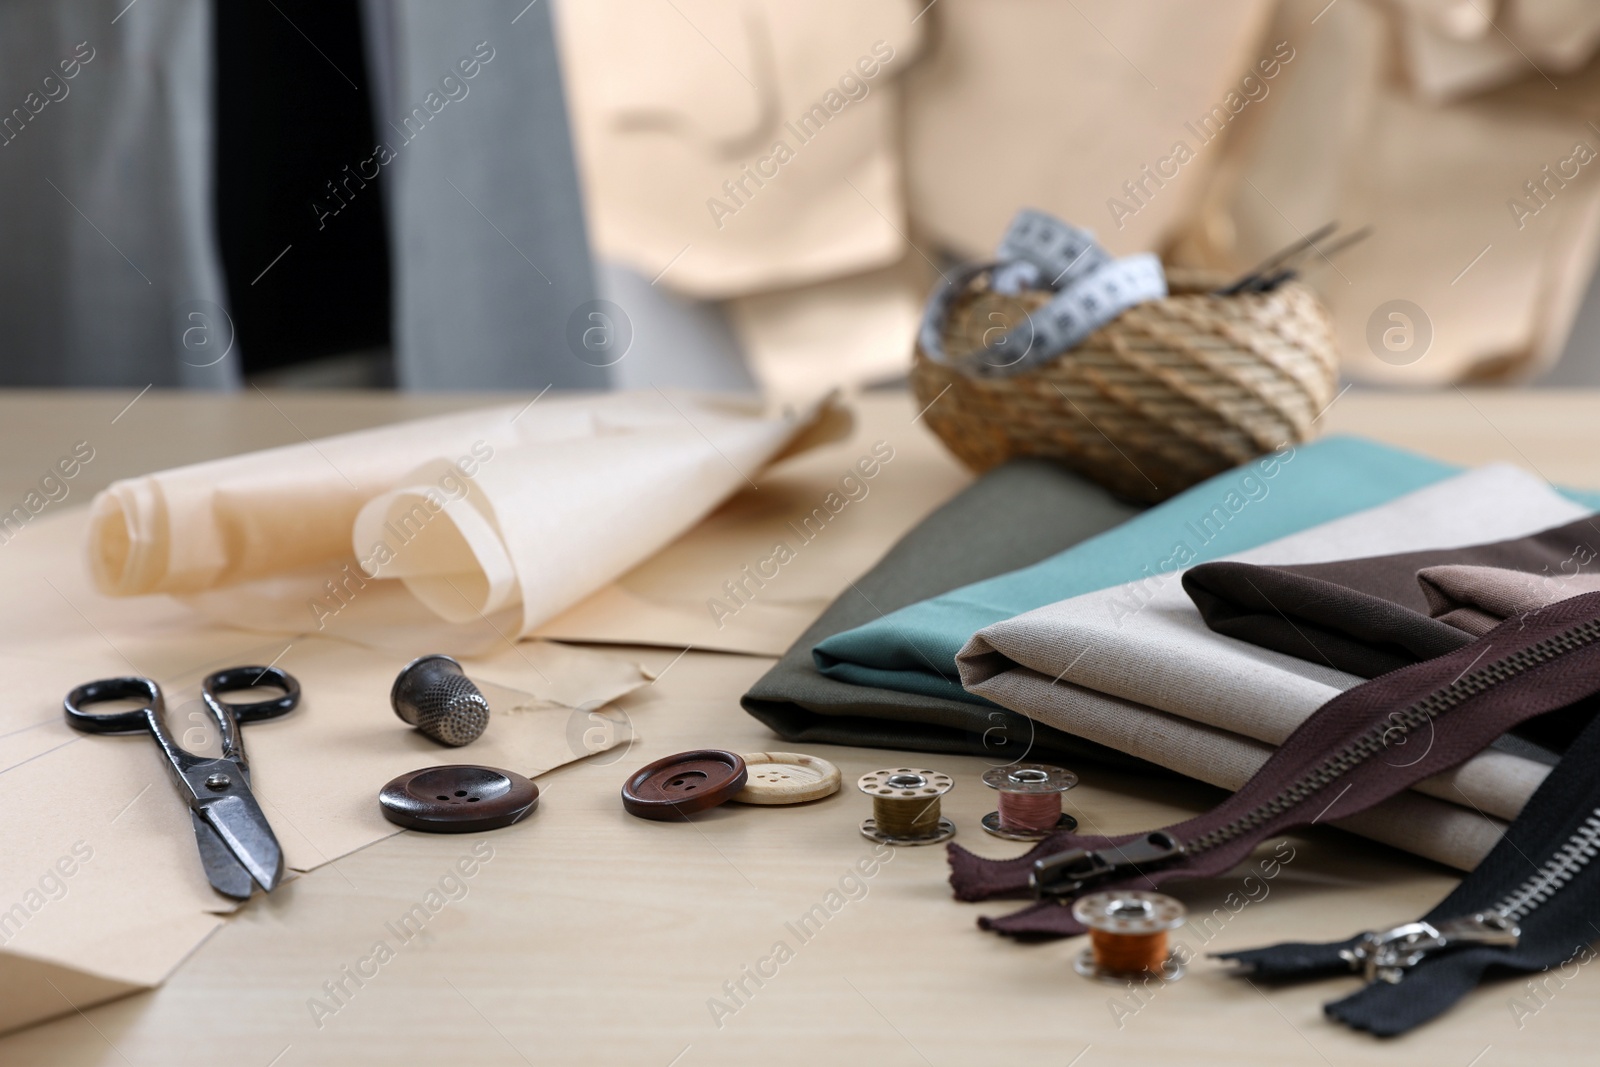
(134, 720)
(236, 678)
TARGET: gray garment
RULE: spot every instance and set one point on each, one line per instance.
(108, 262)
(108, 248)
(491, 259)
(672, 341)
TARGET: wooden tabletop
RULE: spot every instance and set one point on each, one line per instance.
(586, 936)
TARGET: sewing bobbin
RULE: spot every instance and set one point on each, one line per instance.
(905, 806)
(1128, 935)
(1030, 801)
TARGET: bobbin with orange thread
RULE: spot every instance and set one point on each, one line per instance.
(1128, 935)
(1029, 802)
(905, 806)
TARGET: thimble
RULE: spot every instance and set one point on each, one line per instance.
(433, 694)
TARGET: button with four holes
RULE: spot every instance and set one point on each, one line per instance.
(458, 799)
(787, 778)
(678, 785)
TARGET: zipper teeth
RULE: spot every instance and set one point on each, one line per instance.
(1374, 740)
(1571, 858)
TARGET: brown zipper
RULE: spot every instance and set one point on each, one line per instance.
(1326, 769)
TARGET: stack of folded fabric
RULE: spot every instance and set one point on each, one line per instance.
(1012, 517)
(1099, 643)
(1340, 633)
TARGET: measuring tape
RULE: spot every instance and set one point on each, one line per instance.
(1041, 252)
(1058, 254)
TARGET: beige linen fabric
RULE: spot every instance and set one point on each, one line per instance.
(679, 111)
(1456, 47)
(1100, 664)
(1032, 103)
(1435, 170)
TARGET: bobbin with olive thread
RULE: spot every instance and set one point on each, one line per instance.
(1128, 935)
(1030, 801)
(905, 806)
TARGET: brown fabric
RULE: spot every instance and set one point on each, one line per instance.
(1371, 616)
(1477, 599)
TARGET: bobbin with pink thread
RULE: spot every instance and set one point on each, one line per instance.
(1030, 801)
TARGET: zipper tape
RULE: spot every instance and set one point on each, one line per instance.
(1038, 251)
(1541, 878)
(1340, 761)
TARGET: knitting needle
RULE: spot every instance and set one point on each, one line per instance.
(1278, 258)
(1271, 282)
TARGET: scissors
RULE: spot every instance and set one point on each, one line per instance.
(237, 845)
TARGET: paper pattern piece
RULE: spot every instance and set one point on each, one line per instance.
(102, 890)
(501, 517)
(835, 520)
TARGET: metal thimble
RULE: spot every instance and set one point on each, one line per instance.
(433, 694)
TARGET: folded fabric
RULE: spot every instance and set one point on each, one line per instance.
(1111, 660)
(913, 650)
(1477, 599)
(512, 513)
(1046, 508)
(1370, 616)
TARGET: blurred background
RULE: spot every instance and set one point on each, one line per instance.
(758, 194)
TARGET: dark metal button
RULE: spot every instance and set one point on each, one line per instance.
(684, 783)
(458, 799)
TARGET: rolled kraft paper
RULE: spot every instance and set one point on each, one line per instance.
(266, 513)
(540, 528)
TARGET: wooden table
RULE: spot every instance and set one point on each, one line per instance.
(591, 937)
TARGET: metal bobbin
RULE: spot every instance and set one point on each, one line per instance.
(1128, 935)
(905, 806)
(1030, 801)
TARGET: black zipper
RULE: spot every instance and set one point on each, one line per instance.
(1560, 869)
(1498, 916)
(1388, 955)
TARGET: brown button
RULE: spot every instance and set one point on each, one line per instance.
(684, 783)
(458, 799)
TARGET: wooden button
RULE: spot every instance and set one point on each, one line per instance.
(684, 783)
(787, 778)
(458, 799)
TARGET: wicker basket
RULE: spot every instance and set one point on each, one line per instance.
(1166, 395)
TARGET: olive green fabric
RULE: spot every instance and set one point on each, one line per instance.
(1013, 516)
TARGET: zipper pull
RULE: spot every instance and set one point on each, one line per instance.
(1386, 955)
(1066, 873)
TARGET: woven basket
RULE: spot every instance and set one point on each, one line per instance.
(1164, 396)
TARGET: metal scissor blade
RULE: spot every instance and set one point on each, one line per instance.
(243, 828)
(226, 875)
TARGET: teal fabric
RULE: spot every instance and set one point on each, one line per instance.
(913, 650)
